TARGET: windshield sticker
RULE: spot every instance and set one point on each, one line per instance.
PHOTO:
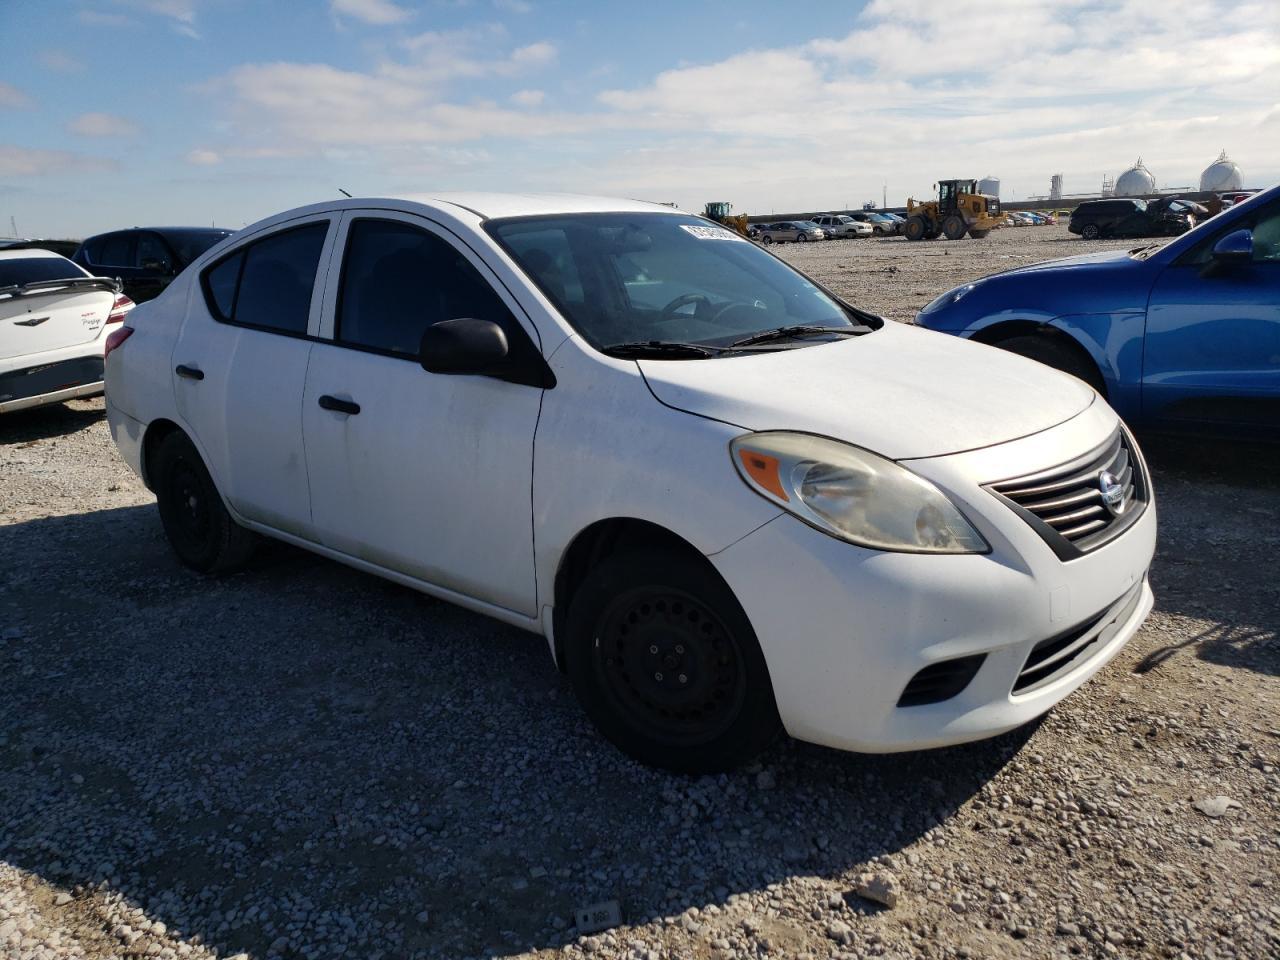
(711, 233)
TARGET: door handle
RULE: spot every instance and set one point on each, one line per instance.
(348, 407)
(190, 373)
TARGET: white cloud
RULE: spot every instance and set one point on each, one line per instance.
(100, 18)
(528, 98)
(60, 61)
(11, 96)
(514, 6)
(376, 12)
(25, 162)
(815, 123)
(102, 125)
(181, 14)
(201, 157)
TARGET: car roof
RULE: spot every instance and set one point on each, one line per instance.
(493, 205)
(29, 254)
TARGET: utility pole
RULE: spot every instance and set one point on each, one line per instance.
(13, 226)
(884, 196)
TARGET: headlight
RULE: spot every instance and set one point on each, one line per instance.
(948, 298)
(853, 494)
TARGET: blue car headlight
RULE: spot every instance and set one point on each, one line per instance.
(949, 298)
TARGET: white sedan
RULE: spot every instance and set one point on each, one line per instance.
(731, 502)
(54, 319)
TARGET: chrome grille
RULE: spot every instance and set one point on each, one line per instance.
(1080, 505)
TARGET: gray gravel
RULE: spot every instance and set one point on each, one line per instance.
(304, 761)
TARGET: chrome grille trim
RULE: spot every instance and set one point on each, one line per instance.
(1065, 504)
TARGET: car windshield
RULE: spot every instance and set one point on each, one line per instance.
(23, 270)
(1140, 204)
(189, 244)
(651, 278)
(844, 220)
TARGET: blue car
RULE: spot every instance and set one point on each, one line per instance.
(1182, 336)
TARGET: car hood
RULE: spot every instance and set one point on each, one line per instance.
(1083, 260)
(901, 392)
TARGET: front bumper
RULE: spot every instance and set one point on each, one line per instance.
(844, 629)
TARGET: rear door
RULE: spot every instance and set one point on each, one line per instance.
(36, 321)
(1212, 352)
(154, 265)
(240, 364)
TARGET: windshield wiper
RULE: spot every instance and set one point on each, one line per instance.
(671, 349)
(796, 330)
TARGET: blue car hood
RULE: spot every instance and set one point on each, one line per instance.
(1066, 263)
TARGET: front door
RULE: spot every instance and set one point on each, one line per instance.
(1213, 336)
(426, 474)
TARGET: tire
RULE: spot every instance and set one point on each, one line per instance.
(666, 665)
(916, 228)
(802, 238)
(1051, 352)
(767, 239)
(1090, 231)
(198, 527)
(954, 227)
(978, 234)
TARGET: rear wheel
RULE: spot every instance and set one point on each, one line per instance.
(1061, 356)
(915, 229)
(954, 227)
(199, 529)
(666, 664)
(1089, 231)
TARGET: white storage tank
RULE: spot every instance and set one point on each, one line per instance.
(990, 186)
(1135, 182)
(1222, 175)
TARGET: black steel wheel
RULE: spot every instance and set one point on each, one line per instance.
(666, 664)
(197, 525)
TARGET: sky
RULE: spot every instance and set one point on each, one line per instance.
(128, 112)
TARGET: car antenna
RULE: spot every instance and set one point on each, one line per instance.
(344, 193)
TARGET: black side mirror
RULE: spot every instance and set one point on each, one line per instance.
(1234, 249)
(465, 345)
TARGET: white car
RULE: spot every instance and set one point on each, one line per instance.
(730, 502)
(54, 319)
(838, 226)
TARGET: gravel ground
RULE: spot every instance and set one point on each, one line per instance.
(304, 761)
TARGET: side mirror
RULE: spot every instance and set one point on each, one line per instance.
(465, 345)
(1234, 249)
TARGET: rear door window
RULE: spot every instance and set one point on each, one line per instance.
(152, 254)
(268, 284)
(116, 250)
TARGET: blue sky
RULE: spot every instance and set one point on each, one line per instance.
(121, 112)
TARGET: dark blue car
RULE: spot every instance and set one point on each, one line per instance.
(1181, 336)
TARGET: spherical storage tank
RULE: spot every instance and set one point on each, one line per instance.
(1222, 174)
(1135, 181)
(989, 186)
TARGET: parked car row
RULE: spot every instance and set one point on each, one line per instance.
(828, 226)
(56, 310)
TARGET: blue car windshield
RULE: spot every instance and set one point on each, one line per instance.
(655, 278)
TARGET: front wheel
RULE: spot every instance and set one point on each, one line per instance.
(1089, 231)
(768, 239)
(915, 228)
(666, 664)
(201, 532)
(802, 237)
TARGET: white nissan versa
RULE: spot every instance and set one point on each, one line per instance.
(731, 502)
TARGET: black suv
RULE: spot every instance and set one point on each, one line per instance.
(1127, 217)
(146, 259)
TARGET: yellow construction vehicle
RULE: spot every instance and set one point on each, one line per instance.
(718, 210)
(959, 209)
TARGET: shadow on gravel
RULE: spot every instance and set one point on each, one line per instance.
(1219, 508)
(39, 423)
(305, 760)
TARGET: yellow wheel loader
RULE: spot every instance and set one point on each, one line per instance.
(718, 210)
(959, 209)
